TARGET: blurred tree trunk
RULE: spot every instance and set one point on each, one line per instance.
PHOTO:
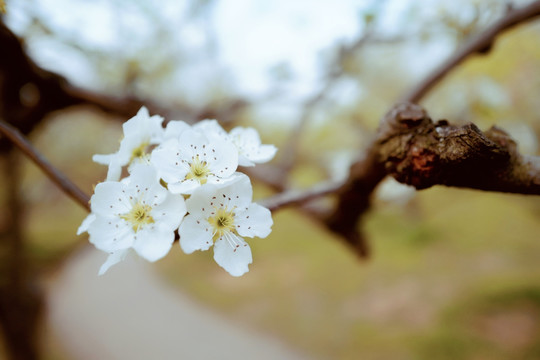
(21, 299)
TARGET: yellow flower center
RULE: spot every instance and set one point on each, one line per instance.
(139, 152)
(139, 216)
(222, 222)
(198, 170)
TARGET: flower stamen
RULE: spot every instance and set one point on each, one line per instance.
(139, 216)
(233, 240)
(139, 152)
(222, 222)
(198, 170)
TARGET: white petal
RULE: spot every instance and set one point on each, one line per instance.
(143, 177)
(255, 221)
(169, 214)
(221, 156)
(249, 146)
(175, 128)
(244, 161)
(200, 203)
(263, 154)
(146, 124)
(221, 182)
(190, 141)
(184, 187)
(110, 234)
(135, 123)
(115, 170)
(86, 224)
(235, 193)
(238, 191)
(195, 234)
(234, 255)
(210, 127)
(112, 259)
(153, 195)
(168, 163)
(110, 198)
(153, 245)
(130, 143)
(103, 159)
(245, 136)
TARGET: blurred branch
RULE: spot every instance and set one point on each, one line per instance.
(482, 44)
(354, 200)
(515, 172)
(336, 72)
(299, 197)
(29, 93)
(267, 174)
(52, 173)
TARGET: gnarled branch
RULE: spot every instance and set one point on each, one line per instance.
(422, 153)
(354, 196)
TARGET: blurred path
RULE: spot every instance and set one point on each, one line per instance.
(129, 313)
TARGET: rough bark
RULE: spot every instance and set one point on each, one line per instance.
(416, 166)
(419, 152)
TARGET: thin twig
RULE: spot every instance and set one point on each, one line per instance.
(297, 197)
(481, 43)
(52, 173)
(336, 72)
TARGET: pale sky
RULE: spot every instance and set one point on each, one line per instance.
(252, 37)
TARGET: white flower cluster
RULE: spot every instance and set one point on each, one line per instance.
(183, 179)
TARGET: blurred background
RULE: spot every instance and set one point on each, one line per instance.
(454, 274)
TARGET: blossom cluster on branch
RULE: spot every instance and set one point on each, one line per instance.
(180, 179)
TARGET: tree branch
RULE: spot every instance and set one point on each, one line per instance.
(52, 173)
(299, 197)
(402, 148)
(482, 44)
(22, 301)
(418, 152)
(354, 196)
(29, 93)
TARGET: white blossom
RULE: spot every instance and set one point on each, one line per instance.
(221, 215)
(174, 129)
(194, 159)
(250, 149)
(86, 223)
(142, 212)
(246, 140)
(140, 132)
(211, 127)
(114, 258)
(136, 213)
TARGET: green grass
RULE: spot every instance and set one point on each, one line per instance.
(440, 255)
